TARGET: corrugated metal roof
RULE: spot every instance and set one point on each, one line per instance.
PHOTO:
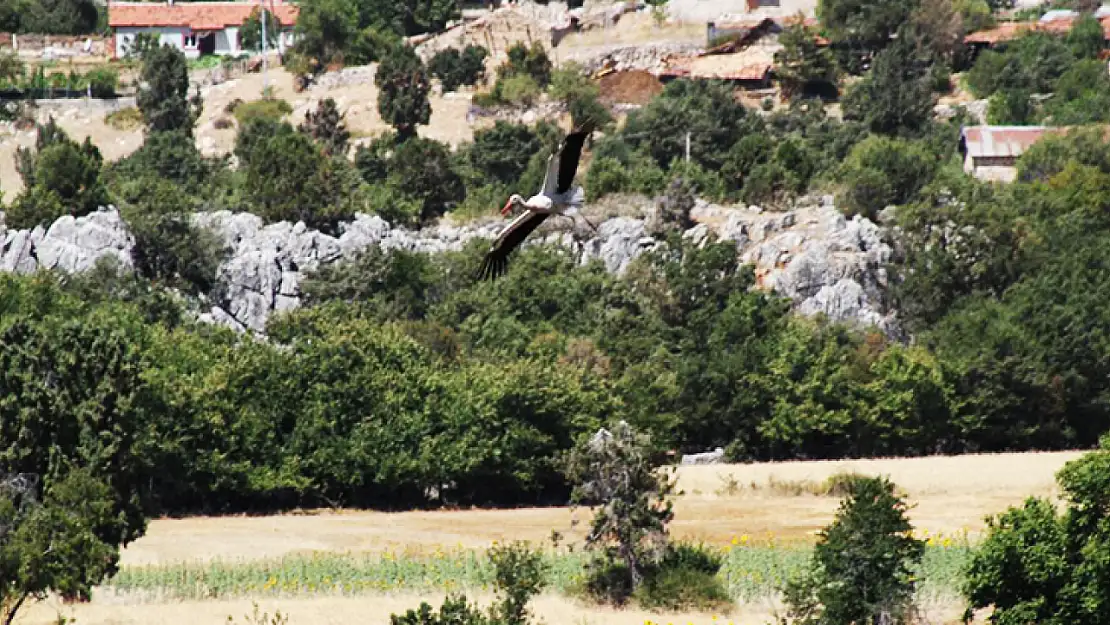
(1003, 140)
(1008, 31)
(750, 64)
(195, 15)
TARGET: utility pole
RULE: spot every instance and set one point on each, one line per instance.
(265, 78)
(687, 147)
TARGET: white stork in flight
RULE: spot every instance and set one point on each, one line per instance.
(557, 197)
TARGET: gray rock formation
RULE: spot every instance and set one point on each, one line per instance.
(69, 244)
(825, 263)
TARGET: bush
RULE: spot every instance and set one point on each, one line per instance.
(454, 68)
(270, 109)
(521, 89)
(127, 118)
(686, 579)
(103, 82)
(880, 171)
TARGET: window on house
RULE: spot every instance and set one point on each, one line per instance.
(190, 41)
(768, 3)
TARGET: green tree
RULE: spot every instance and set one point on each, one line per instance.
(801, 62)
(48, 541)
(859, 29)
(862, 567)
(1036, 565)
(326, 126)
(614, 472)
(325, 29)
(164, 97)
(250, 33)
(403, 88)
(895, 96)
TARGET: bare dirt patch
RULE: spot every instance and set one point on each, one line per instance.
(632, 87)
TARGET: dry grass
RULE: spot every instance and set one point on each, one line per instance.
(552, 609)
(949, 494)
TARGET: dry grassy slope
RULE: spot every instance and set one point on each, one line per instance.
(949, 494)
(448, 121)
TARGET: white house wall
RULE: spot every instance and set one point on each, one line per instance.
(227, 41)
(173, 35)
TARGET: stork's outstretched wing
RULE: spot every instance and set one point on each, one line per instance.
(508, 240)
(563, 163)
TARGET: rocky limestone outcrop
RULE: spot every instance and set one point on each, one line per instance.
(70, 244)
(812, 254)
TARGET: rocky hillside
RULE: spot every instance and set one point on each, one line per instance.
(824, 262)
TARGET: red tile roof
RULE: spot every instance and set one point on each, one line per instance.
(195, 15)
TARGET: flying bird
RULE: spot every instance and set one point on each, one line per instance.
(558, 196)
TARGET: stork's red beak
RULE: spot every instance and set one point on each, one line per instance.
(508, 208)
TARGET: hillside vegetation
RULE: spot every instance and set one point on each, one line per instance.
(406, 383)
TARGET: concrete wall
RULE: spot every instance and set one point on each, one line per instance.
(709, 10)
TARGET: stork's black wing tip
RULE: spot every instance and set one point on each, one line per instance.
(492, 268)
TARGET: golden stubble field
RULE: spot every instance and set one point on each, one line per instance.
(947, 494)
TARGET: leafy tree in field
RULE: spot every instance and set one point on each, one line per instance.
(289, 177)
(250, 33)
(84, 371)
(407, 17)
(501, 153)
(862, 568)
(614, 470)
(524, 60)
(47, 540)
(326, 126)
(403, 86)
(1037, 565)
(164, 98)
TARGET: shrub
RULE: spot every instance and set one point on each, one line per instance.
(454, 68)
(124, 119)
(103, 82)
(685, 579)
(265, 108)
(520, 89)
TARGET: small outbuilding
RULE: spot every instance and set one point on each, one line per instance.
(991, 152)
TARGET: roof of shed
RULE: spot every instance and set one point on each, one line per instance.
(195, 15)
(1004, 140)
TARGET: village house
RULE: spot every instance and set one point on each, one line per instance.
(990, 152)
(195, 28)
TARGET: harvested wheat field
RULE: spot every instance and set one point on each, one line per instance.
(374, 610)
(950, 494)
(324, 567)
